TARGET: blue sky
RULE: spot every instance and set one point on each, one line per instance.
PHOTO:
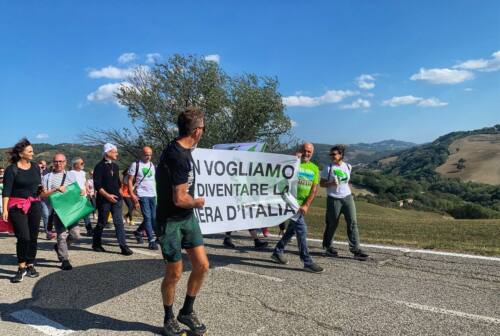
(349, 71)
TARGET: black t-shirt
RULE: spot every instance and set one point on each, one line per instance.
(175, 168)
(23, 184)
(106, 175)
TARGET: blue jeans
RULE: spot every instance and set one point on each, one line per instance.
(45, 215)
(103, 210)
(148, 209)
(298, 227)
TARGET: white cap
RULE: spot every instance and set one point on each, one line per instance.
(108, 146)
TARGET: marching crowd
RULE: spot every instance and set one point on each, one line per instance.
(26, 188)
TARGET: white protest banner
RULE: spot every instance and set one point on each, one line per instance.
(244, 190)
(243, 146)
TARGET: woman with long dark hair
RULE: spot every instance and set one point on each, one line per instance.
(21, 204)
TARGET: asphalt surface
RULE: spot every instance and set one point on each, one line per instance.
(245, 293)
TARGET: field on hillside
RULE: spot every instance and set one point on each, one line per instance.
(482, 155)
(413, 229)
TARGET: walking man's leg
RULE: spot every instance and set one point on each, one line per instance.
(301, 230)
(102, 219)
(116, 212)
(277, 255)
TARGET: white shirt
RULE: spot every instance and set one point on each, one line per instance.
(342, 174)
(145, 183)
(81, 178)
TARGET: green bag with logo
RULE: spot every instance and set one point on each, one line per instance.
(70, 206)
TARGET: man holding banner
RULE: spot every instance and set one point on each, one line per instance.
(177, 224)
(306, 191)
(53, 182)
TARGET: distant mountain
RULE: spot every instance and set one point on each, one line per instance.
(363, 153)
(468, 155)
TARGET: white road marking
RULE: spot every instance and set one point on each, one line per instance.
(409, 250)
(41, 323)
(251, 273)
(449, 312)
(148, 253)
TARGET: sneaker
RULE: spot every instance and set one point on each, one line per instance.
(126, 250)
(265, 232)
(98, 248)
(138, 237)
(331, 252)
(31, 272)
(192, 322)
(66, 265)
(313, 268)
(19, 276)
(360, 255)
(56, 249)
(172, 328)
(279, 259)
(260, 243)
(228, 242)
(153, 246)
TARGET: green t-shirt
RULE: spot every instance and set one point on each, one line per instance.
(308, 175)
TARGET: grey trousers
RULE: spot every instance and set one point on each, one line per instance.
(334, 208)
(65, 237)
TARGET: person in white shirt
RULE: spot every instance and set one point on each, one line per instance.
(142, 189)
(335, 178)
(81, 179)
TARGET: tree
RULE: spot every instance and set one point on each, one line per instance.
(239, 108)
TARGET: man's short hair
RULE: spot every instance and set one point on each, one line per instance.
(190, 119)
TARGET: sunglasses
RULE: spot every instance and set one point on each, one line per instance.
(58, 161)
(335, 153)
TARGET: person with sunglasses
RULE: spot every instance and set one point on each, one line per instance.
(335, 178)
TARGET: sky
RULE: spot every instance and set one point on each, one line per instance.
(349, 71)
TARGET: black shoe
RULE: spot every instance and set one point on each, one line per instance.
(90, 232)
(126, 250)
(228, 242)
(313, 268)
(19, 276)
(192, 322)
(98, 248)
(56, 249)
(153, 246)
(31, 272)
(360, 255)
(331, 252)
(259, 244)
(172, 328)
(66, 265)
(138, 237)
(279, 259)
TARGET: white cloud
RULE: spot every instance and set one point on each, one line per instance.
(492, 64)
(331, 96)
(469, 89)
(357, 104)
(443, 76)
(127, 58)
(153, 58)
(114, 72)
(411, 100)
(366, 82)
(42, 136)
(106, 93)
(294, 123)
(431, 102)
(214, 58)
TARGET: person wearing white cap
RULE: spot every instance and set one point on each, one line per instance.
(109, 199)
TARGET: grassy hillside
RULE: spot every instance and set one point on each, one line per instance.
(412, 228)
(474, 158)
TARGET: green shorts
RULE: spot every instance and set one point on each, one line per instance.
(177, 235)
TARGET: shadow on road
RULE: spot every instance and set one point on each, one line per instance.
(64, 296)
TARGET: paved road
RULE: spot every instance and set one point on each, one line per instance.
(394, 293)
